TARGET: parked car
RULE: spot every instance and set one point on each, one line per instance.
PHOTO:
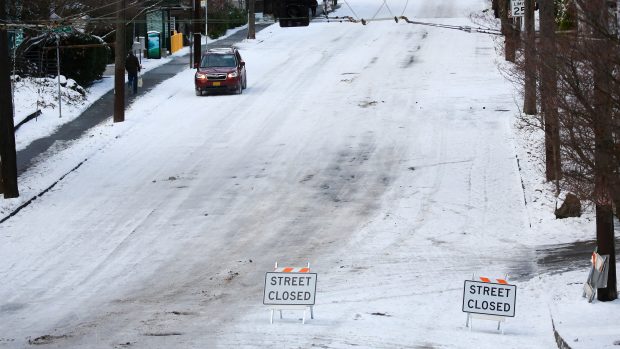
(221, 70)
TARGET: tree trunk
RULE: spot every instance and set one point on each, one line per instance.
(251, 20)
(509, 32)
(529, 99)
(8, 154)
(119, 64)
(549, 89)
(1, 183)
(603, 145)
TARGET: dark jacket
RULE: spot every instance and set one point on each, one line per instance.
(132, 64)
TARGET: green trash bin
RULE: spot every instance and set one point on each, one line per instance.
(154, 44)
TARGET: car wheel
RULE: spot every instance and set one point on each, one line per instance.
(198, 93)
(240, 88)
(245, 83)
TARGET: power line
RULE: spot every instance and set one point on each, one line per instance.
(350, 8)
(380, 7)
(94, 9)
(97, 8)
(116, 12)
(72, 19)
(357, 19)
(465, 28)
(405, 8)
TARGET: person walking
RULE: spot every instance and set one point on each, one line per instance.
(132, 65)
(313, 5)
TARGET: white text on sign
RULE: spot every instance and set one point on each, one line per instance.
(489, 298)
(289, 288)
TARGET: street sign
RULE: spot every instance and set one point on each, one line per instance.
(282, 288)
(598, 276)
(489, 298)
(16, 37)
(517, 8)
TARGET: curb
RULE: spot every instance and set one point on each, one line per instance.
(43, 192)
(561, 343)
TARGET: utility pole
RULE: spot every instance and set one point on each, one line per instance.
(529, 53)
(549, 89)
(58, 75)
(8, 154)
(597, 14)
(251, 20)
(206, 24)
(191, 37)
(119, 64)
(197, 49)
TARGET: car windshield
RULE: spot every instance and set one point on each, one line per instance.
(216, 60)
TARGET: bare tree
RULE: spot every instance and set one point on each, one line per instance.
(586, 74)
(548, 89)
(588, 102)
(598, 48)
(251, 20)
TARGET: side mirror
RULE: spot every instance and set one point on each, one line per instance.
(242, 64)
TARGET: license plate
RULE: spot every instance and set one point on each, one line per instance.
(216, 84)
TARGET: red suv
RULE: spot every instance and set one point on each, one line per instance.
(220, 70)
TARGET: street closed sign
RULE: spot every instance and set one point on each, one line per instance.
(289, 288)
(489, 298)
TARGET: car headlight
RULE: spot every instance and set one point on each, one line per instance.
(233, 74)
(201, 76)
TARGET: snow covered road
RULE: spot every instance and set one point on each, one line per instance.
(381, 154)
